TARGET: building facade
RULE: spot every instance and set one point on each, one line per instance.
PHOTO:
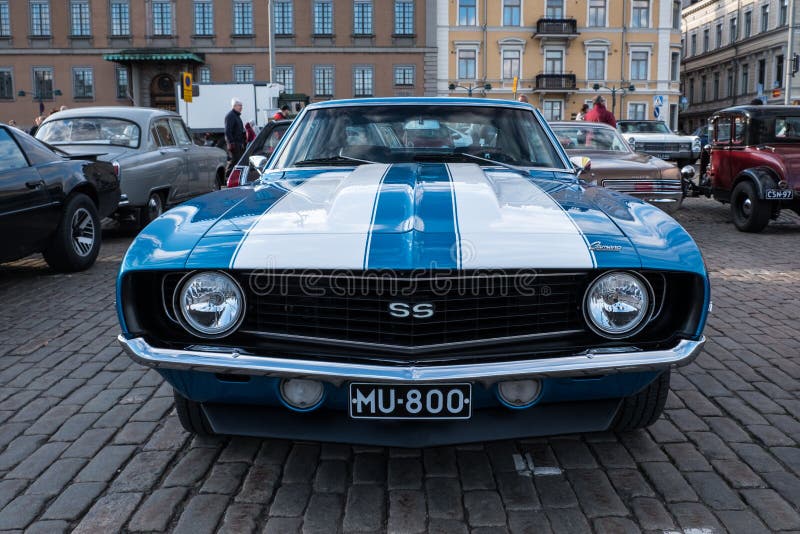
(560, 50)
(735, 51)
(130, 52)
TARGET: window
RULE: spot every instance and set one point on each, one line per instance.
(466, 64)
(782, 13)
(597, 13)
(284, 17)
(243, 18)
(552, 110)
(120, 18)
(404, 17)
(637, 111)
(179, 129)
(164, 133)
(363, 81)
(511, 64)
(40, 18)
(745, 80)
(122, 82)
(43, 83)
(362, 17)
(6, 84)
(404, 75)
(703, 84)
(244, 73)
(730, 83)
(706, 40)
(554, 9)
(676, 15)
(779, 71)
(748, 23)
(203, 17)
(691, 91)
(693, 44)
(639, 70)
(764, 17)
(511, 12)
(162, 18)
(719, 35)
(13, 158)
(79, 18)
(323, 17)
(675, 66)
(762, 71)
(715, 90)
(733, 31)
(467, 10)
(323, 80)
(284, 75)
(641, 14)
(553, 62)
(5, 21)
(204, 75)
(82, 82)
(596, 65)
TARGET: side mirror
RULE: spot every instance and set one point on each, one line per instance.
(687, 172)
(581, 163)
(259, 163)
(707, 148)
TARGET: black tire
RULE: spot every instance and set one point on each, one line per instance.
(191, 416)
(151, 210)
(76, 242)
(644, 408)
(750, 213)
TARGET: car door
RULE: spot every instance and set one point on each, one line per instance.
(173, 161)
(25, 206)
(197, 180)
(721, 145)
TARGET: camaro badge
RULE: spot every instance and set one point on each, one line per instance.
(597, 245)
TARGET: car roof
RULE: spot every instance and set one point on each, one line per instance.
(639, 120)
(117, 112)
(590, 124)
(762, 111)
(426, 101)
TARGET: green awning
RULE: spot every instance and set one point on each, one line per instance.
(126, 56)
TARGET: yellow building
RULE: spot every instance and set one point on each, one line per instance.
(561, 50)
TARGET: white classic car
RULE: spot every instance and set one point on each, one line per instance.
(655, 138)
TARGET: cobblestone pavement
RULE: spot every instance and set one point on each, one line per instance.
(89, 440)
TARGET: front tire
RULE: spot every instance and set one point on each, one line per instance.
(76, 242)
(750, 213)
(644, 408)
(191, 416)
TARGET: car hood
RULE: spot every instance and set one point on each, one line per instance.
(659, 137)
(625, 163)
(414, 216)
(103, 152)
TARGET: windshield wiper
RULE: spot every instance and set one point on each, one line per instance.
(331, 160)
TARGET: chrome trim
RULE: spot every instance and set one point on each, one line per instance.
(123, 200)
(592, 362)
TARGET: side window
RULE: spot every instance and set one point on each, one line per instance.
(272, 141)
(739, 130)
(154, 135)
(165, 133)
(10, 154)
(181, 134)
(722, 130)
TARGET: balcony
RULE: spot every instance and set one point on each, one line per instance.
(555, 83)
(566, 29)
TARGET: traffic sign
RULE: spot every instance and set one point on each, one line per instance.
(186, 82)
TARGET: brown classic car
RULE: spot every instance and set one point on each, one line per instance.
(616, 166)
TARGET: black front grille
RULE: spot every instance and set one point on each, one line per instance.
(663, 147)
(466, 307)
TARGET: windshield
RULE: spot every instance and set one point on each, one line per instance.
(644, 127)
(411, 133)
(583, 136)
(90, 131)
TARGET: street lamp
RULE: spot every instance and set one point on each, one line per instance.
(485, 87)
(624, 90)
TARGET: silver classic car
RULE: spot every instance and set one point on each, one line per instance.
(656, 139)
(157, 163)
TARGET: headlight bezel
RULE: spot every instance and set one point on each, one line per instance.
(646, 317)
(187, 325)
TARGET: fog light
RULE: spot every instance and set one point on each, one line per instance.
(302, 394)
(519, 393)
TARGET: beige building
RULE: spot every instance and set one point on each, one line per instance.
(123, 52)
(735, 51)
(560, 50)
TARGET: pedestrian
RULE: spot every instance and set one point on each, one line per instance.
(599, 112)
(12, 123)
(523, 98)
(235, 134)
(756, 102)
(581, 116)
(250, 133)
(282, 114)
(36, 123)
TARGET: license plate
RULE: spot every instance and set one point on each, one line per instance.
(664, 156)
(417, 401)
(780, 194)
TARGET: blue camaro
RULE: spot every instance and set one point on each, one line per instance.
(414, 272)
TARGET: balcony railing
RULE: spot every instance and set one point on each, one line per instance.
(556, 27)
(556, 82)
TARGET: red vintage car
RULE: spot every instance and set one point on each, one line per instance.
(753, 163)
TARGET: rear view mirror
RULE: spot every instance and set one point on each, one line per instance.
(259, 163)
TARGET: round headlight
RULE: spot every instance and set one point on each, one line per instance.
(617, 304)
(210, 304)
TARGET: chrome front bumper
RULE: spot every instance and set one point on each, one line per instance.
(594, 362)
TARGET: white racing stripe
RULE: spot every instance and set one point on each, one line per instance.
(507, 221)
(323, 223)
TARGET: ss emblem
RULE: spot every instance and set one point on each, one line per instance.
(403, 310)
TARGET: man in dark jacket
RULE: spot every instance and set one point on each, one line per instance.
(599, 113)
(234, 134)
